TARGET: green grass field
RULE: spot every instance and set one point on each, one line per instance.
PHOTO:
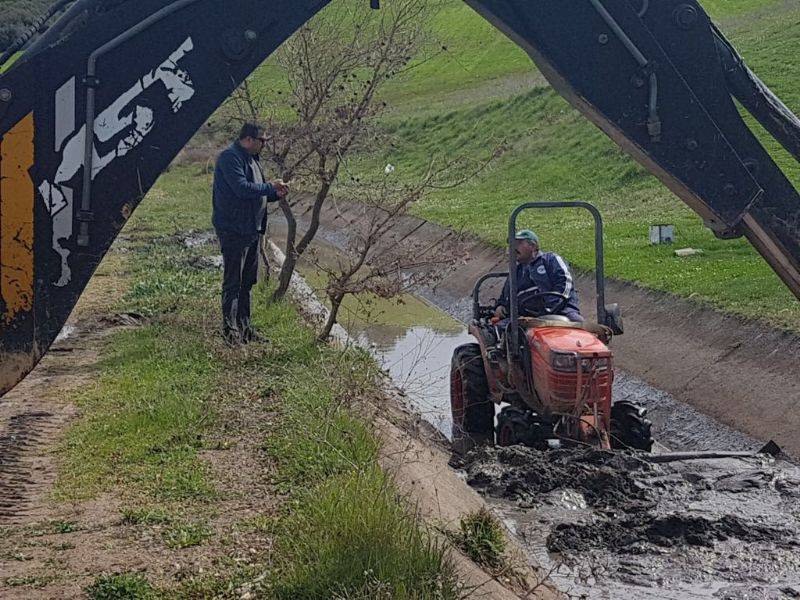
(483, 90)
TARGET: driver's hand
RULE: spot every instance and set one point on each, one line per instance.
(500, 312)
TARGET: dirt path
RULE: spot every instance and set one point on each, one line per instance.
(43, 540)
(32, 418)
(50, 548)
(54, 549)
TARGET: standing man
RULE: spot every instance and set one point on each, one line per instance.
(537, 273)
(239, 216)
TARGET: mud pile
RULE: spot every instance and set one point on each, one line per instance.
(722, 528)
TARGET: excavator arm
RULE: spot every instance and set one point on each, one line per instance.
(100, 104)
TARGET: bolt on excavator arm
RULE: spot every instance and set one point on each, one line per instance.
(142, 76)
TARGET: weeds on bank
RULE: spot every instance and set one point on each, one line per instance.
(482, 538)
(121, 586)
(144, 418)
(351, 537)
(345, 533)
(341, 530)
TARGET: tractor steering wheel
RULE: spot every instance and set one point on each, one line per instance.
(541, 295)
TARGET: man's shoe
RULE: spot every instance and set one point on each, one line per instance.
(232, 338)
(251, 335)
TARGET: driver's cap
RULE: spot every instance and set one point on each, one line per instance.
(527, 235)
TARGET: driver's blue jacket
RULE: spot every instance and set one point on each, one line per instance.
(548, 272)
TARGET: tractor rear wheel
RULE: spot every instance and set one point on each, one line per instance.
(630, 427)
(472, 409)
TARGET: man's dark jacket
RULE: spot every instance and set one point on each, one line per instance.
(237, 197)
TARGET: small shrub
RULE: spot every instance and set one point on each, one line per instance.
(482, 539)
(145, 516)
(31, 581)
(352, 538)
(64, 527)
(186, 535)
(121, 586)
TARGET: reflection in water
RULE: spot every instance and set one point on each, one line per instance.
(411, 339)
(418, 360)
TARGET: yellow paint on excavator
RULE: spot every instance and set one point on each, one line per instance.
(16, 219)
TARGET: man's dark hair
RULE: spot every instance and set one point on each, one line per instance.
(251, 130)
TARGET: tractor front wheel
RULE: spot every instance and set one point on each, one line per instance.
(518, 426)
(472, 409)
(630, 427)
(512, 427)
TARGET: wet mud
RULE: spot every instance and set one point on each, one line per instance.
(612, 525)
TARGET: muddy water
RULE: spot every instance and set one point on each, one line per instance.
(411, 339)
(616, 526)
(418, 360)
(611, 525)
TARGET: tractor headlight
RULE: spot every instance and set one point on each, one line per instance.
(563, 361)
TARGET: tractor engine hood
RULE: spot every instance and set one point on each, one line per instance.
(564, 340)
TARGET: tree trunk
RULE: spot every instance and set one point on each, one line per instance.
(263, 260)
(295, 252)
(336, 303)
(316, 212)
(287, 269)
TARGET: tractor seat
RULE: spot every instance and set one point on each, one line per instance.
(558, 318)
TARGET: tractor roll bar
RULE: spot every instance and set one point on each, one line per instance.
(476, 291)
(512, 262)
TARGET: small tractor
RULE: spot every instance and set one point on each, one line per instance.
(552, 376)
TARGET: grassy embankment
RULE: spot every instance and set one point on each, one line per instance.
(484, 90)
(161, 411)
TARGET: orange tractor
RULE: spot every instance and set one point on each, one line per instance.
(553, 377)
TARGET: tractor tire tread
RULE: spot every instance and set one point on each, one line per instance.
(478, 407)
(630, 427)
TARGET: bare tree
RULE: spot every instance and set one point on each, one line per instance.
(334, 68)
(380, 261)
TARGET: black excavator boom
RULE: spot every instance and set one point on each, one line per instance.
(142, 76)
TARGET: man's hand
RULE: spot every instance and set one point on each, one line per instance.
(500, 312)
(280, 188)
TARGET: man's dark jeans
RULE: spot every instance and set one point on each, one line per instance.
(240, 261)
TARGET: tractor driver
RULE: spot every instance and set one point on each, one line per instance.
(539, 272)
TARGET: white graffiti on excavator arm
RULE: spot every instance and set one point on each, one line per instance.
(122, 126)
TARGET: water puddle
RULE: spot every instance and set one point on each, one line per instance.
(411, 340)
